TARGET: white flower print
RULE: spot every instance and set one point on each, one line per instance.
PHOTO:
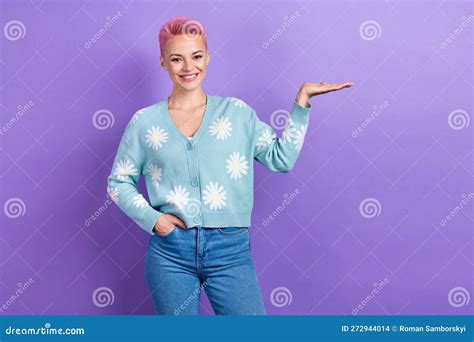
(215, 195)
(289, 132)
(139, 201)
(124, 169)
(155, 173)
(236, 165)
(265, 138)
(179, 197)
(156, 137)
(113, 193)
(299, 137)
(221, 127)
(136, 116)
(238, 102)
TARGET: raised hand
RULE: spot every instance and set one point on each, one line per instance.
(309, 89)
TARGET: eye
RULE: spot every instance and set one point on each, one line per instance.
(175, 60)
(198, 57)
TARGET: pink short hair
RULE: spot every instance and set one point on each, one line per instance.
(180, 26)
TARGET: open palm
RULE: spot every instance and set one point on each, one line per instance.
(313, 89)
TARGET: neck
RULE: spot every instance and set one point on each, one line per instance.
(187, 99)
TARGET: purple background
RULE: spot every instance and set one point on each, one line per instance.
(414, 160)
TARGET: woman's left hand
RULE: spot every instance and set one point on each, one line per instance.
(309, 89)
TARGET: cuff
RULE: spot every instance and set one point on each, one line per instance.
(150, 218)
(299, 113)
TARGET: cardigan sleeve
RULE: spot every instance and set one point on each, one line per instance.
(279, 154)
(123, 180)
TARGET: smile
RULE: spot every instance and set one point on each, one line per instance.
(189, 78)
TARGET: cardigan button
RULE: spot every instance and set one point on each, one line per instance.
(194, 182)
(189, 146)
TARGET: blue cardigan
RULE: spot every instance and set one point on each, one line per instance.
(206, 180)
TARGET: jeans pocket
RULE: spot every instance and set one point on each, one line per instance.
(232, 230)
(168, 234)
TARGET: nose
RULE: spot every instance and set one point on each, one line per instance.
(187, 66)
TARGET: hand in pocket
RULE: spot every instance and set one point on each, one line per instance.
(167, 223)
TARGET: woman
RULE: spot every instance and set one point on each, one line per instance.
(195, 152)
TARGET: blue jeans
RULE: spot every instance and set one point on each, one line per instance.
(181, 264)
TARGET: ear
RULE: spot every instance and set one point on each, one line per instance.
(162, 63)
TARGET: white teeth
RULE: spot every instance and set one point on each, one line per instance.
(190, 77)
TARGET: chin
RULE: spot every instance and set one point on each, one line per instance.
(188, 86)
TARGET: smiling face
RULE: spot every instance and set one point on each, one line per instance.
(185, 59)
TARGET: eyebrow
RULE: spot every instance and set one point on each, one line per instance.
(175, 54)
